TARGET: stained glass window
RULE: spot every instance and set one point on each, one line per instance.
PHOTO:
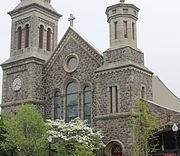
(87, 104)
(57, 105)
(71, 101)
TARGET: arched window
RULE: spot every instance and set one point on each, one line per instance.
(19, 32)
(87, 104)
(116, 151)
(48, 46)
(26, 36)
(57, 105)
(41, 36)
(71, 101)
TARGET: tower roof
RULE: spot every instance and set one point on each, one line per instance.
(43, 3)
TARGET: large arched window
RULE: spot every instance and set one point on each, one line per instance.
(41, 36)
(48, 46)
(19, 39)
(71, 101)
(87, 104)
(26, 36)
(57, 105)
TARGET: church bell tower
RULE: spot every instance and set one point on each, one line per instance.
(33, 38)
(122, 19)
(34, 29)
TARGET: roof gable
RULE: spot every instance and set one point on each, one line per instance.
(71, 33)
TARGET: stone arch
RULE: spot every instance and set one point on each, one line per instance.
(111, 144)
(69, 81)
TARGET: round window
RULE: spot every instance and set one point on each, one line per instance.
(71, 63)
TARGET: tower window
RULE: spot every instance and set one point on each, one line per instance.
(110, 96)
(116, 100)
(41, 36)
(26, 36)
(142, 92)
(19, 37)
(125, 29)
(48, 46)
(114, 11)
(115, 30)
(113, 92)
(125, 11)
(133, 30)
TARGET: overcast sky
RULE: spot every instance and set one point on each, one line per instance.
(158, 32)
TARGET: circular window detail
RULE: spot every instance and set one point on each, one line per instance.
(71, 63)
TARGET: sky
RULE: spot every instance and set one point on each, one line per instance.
(158, 32)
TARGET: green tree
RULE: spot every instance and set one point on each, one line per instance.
(82, 150)
(144, 123)
(6, 148)
(28, 131)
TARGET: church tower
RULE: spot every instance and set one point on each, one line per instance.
(33, 39)
(34, 29)
(121, 80)
(122, 20)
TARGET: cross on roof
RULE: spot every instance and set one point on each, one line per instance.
(122, 1)
(71, 19)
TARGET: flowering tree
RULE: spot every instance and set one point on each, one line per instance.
(75, 133)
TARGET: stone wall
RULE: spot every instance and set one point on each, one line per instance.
(124, 55)
(58, 78)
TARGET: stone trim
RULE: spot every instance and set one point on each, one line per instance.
(11, 63)
(32, 6)
(113, 116)
(124, 68)
(16, 103)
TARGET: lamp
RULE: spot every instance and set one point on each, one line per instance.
(175, 130)
(49, 144)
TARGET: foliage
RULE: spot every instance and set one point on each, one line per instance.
(28, 131)
(75, 133)
(144, 124)
(83, 151)
(6, 148)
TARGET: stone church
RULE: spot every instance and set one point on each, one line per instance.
(73, 79)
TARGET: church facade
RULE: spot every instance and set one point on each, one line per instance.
(72, 79)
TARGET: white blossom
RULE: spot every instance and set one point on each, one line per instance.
(75, 132)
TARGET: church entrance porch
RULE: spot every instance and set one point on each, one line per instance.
(114, 148)
(166, 143)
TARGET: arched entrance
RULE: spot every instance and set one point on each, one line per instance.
(116, 151)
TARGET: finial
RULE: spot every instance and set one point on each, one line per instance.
(71, 19)
(122, 1)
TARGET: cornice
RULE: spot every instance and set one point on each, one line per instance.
(123, 68)
(16, 103)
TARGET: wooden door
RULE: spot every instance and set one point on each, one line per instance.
(116, 151)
